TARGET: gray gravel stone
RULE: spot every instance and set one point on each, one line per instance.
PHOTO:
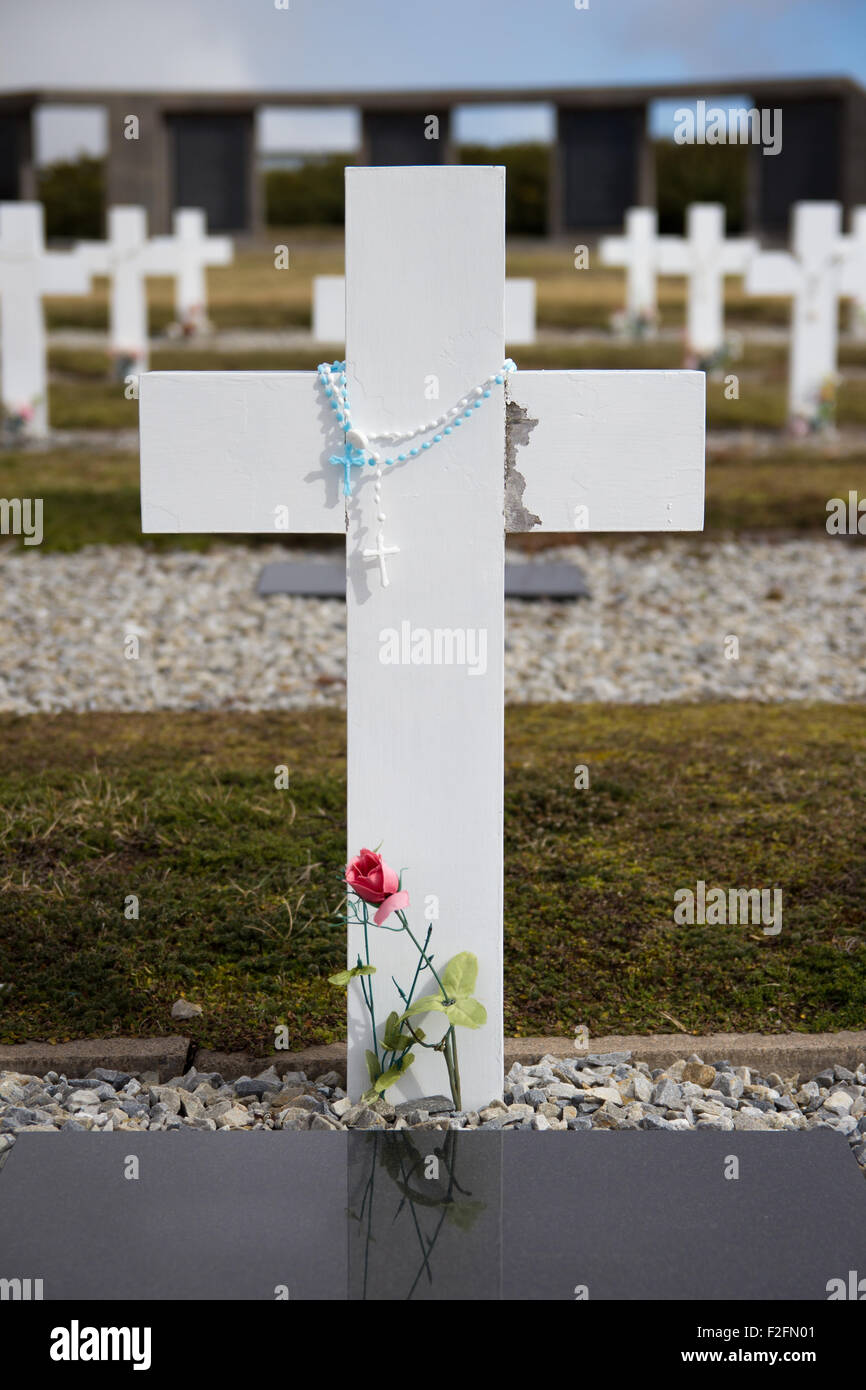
(667, 1093)
(729, 1085)
(557, 1094)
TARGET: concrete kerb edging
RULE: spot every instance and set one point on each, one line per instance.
(788, 1054)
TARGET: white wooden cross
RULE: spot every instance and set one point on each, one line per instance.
(705, 257)
(811, 274)
(127, 257)
(638, 251)
(329, 309)
(607, 451)
(854, 271)
(194, 250)
(27, 272)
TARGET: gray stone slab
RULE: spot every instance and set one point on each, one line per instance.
(641, 1215)
(433, 1215)
(323, 579)
(211, 1215)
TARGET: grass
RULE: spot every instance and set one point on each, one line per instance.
(236, 881)
(252, 293)
(93, 498)
(81, 395)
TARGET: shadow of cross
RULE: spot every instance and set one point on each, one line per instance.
(607, 451)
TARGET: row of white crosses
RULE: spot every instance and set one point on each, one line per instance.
(28, 273)
(603, 451)
(822, 266)
(704, 256)
(128, 257)
(329, 309)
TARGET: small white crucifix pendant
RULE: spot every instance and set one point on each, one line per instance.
(381, 551)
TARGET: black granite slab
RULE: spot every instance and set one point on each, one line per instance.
(324, 579)
(432, 1215)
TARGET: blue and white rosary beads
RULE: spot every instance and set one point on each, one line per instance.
(361, 448)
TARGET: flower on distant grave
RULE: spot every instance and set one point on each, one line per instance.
(16, 420)
(371, 878)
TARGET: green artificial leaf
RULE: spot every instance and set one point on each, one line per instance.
(344, 976)
(381, 1084)
(373, 1066)
(460, 975)
(391, 1035)
(467, 1013)
(394, 1039)
(424, 1005)
(463, 1215)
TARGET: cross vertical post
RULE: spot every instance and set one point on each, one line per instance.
(27, 272)
(705, 257)
(638, 252)
(425, 262)
(195, 251)
(811, 274)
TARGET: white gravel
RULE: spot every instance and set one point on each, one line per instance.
(655, 629)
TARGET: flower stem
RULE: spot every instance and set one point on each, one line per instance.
(370, 1006)
(452, 1065)
(422, 950)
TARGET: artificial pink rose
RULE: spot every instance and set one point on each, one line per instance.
(390, 905)
(371, 878)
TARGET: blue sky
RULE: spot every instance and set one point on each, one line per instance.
(375, 44)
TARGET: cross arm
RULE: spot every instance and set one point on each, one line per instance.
(163, 253)
(772, 272)
(218, 250)
(63, 272)
(626, 447)
(673, 255)
(614, 251)
(238, 452)
(736, 255)
(95, 255)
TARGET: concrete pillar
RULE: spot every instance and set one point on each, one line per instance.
(137, 166)
(602, 165)
(406, 137)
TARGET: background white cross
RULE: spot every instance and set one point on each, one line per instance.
(705, 257)
(27, 273)
(811, 274)
(194, 251)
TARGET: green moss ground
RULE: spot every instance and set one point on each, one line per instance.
(236, 880)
